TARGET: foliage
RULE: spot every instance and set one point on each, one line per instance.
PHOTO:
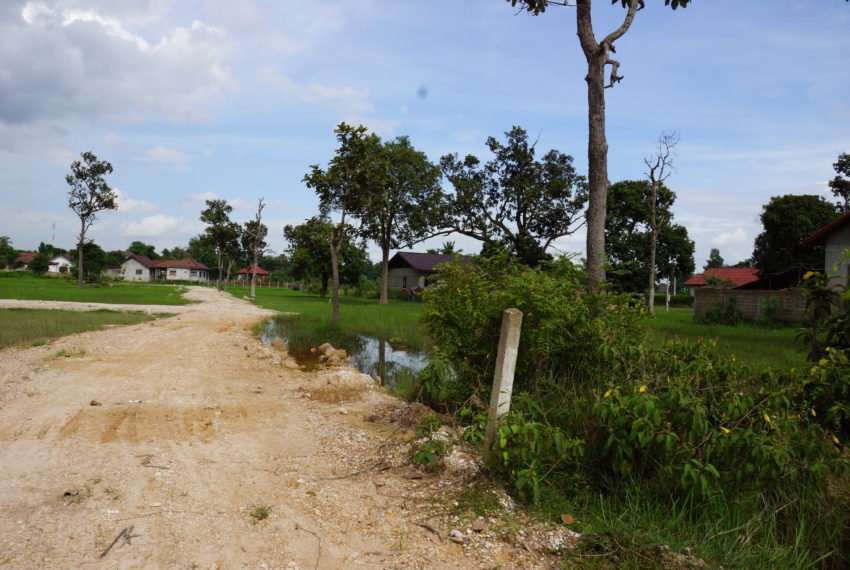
(8, 254)
(142, 248)
(308, 246)
(89, 194)
(714, 260)
(40, 263)
(561, 329)
(221, 234)
(717, 282)
(515, 201)
(680, 300)
(723, 312)
(95, 262)
(787, 220)
(628, 236)
(432, 444)
(840, 185)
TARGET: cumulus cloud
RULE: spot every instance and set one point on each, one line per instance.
(344, 100)
(203, 197)
(176, 159)
(737, 237)
(154, 226)
(127, 205)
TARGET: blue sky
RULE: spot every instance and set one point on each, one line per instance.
(213, 98)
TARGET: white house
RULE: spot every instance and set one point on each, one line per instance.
(835, 239)
(186, 269)
(59, 264)
(137, 268)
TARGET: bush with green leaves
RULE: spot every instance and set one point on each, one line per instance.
(563, 327)
(721, 313)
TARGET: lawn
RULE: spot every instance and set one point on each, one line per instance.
(758, 347)
(33, 327)
(398, 320)
(26, 286)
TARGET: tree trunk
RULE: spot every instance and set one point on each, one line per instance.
(335, 277)
(80, 255)
(254, 276)
(597, 160)
(323, 287)
(218, 275)
(653, 245)
(385, 261)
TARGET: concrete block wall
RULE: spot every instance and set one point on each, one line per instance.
(792, 306)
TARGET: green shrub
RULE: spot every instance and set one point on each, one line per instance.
(684, 300)
(721, 313)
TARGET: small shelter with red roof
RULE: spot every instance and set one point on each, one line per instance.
(736, 276)
(835, 237)
(245, 273)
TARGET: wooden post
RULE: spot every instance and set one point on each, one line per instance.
(503, 378)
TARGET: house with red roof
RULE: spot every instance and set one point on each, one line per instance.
(835, 237)
(136, 267)
(408, 270)
(24, 258)
(245, 273)
(737, 276)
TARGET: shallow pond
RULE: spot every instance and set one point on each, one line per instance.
(395, 363)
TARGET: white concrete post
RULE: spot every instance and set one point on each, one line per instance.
(503, 378)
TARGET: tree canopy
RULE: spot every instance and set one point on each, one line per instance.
(222, 234)
(514, 201)
(8, 254)
(840, 185)
(714, 260)
(141, 248)
(787, 220)
(628, 236)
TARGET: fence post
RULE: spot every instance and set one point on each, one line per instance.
(503, 377)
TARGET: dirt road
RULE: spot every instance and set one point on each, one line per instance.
(198, 446)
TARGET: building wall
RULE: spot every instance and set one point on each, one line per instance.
(135, 271)
(182, 274)
(792, 306)
(396, 276)
(837, 243)
(61, 262)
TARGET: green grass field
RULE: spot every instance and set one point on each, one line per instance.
(398, 320)
(33, 327)
(26, 286)
(757, 347)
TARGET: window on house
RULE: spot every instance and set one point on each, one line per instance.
(404, 282)
(172, 272)
(138, 271)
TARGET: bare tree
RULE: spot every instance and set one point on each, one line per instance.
(660, 166)
(89, 195)
(255, 233)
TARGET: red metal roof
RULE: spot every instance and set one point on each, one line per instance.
(24, 257)
(423, 262)
(185, 263)
(820, 236)
(145, 261)
(737, 275)
(248, 270)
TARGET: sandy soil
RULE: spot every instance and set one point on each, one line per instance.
(169, 435)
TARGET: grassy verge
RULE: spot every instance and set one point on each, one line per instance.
(398, 320)
(33, 327)
(26, 286)
(755, 346)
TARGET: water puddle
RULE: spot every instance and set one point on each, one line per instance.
(396, 364)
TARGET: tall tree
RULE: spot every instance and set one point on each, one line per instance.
(786, 221)
(659, 168)
(629, 231)
(714, 260)
(402, 200)
(254, 242)
(95, 263)
(341, 188)
(8, 254)
(514, 201)
(89, 194)
(220, 234)
(840, 185)
(597, 55)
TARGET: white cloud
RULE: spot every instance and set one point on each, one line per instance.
(203, 197)
(152, 226)
(127, 205)
(174, 158)
(738, 237)
(344, 100)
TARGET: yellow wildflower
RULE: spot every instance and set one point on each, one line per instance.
(725, 430)
(813, 412)
(608, 393)
(642, 389)
(808, 275)
(767, 418)
(835, 439)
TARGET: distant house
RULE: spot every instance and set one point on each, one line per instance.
(59, 264)
(245, 273)
(408, 270)
(136, 267)
(737, 276)
(835, 237)
(23, 259)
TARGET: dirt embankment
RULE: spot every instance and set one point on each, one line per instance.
(196, 446)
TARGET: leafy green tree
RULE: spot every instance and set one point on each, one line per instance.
(114, 257)
(199, 250)
(629, 236)
(40, 263)
(177, 253)
(141, 248)
(714, 260)
(840, 185)
(402, 199)
(89, 195)
(343, 187)
(786, 221)
(597, 53)
(8, 254)
(221, 234)
(96, 263)
(448, 248)
(308, 246)
(514, 201)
